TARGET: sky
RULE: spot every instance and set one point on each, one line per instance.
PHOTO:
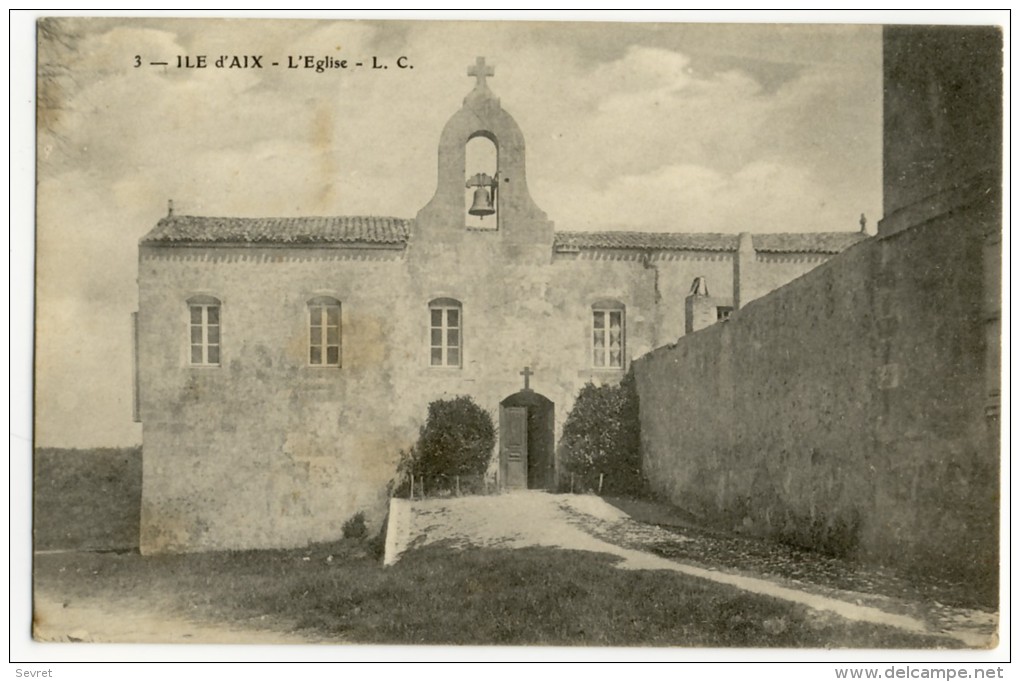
(639, 126)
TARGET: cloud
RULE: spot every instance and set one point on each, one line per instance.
(804, 156)
(760, 197)
(627, 128)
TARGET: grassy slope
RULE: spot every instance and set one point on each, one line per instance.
(440, 596)
(87, 499)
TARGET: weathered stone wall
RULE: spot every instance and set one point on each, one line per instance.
(943, 103)
(845, 410)
(772, 270)
(266, 451)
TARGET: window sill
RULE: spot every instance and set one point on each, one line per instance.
(603, 372)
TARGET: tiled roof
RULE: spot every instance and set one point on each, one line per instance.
(183, 229)
(792, 242)
(674, 241)
(806, 242)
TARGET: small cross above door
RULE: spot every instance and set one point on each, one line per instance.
(526, 373)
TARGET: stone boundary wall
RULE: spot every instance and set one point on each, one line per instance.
(846, 410)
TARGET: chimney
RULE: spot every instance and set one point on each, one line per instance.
(743, 266)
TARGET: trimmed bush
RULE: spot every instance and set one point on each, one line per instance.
(354, 528)
(602, 435)
(457, 440)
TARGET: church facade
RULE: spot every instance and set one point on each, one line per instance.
(283, 363)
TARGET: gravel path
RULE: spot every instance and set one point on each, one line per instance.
(586, 522)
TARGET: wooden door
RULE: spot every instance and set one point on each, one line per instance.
(514, 446)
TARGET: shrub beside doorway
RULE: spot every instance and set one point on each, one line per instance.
(602, 441)
(453, 450)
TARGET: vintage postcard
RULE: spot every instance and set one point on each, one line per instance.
(517, 333)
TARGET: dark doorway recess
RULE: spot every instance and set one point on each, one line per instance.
(526, 441)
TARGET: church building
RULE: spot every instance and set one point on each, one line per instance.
(282, 364)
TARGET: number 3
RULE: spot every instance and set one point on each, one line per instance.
(138, 61)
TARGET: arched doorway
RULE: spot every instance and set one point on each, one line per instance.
(526, 441)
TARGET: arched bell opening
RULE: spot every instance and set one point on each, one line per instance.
(481, 165)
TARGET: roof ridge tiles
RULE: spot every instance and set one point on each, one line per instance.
(776, 242)
(284, 229)
(376, 229)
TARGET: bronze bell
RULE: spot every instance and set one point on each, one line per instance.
(481, 205)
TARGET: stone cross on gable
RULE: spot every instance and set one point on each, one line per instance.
(526, 373)
(480, 71)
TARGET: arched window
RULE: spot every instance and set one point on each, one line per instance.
(608, 334)
(204, 331)
(446, 327)
(324, 332)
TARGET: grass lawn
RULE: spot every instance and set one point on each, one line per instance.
(89, 500)
(437, 595)
(86, 499)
